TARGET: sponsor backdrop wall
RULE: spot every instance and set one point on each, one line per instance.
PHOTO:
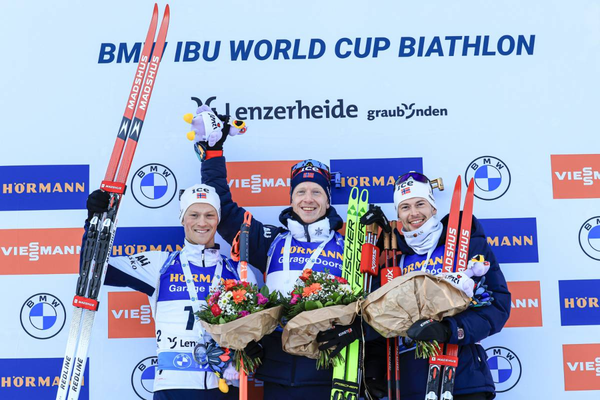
(505, 92)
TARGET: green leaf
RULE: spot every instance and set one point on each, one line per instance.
(313, 305)
(264, 291)
(222, 320)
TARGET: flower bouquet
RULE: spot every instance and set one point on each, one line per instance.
(237, 313)
(393, 308)
(318, 301)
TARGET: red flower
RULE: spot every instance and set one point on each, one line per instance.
(341, 280)
(216, 310)
(246, 284)
(306, 274)
(230, 284)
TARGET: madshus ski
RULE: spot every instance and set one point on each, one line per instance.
(442, 367)
(102, 227)
(346, 376)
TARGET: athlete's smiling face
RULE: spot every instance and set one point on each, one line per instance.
(309, 201)
(413, 213)
(200, 224)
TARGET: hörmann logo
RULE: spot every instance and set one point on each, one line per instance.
(575, 176)
(43, 187)
(34, 378)
(505, 367)
(40, 251)
(514, 240)
(525, 304)
(579, 303)
(129, 315)
(131, 241)
(492, 177)
(581, 363)
(378, 175)
(260, 183)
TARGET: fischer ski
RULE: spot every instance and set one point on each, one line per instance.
(442, 367)
(346, 376)
(102, 227)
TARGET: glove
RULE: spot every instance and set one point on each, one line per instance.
(97, 202)
(460, 281)
(340, 336)
(254, 350)
(477, 266)
(230, 373)
(427, 330)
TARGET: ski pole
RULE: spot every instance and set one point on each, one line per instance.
(244, 257)
(397, 272)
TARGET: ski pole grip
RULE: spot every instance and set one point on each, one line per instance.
(394, 238)
(245, 238)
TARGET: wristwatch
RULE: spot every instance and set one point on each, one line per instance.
(461, 333)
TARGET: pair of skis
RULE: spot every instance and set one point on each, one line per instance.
(346, 376)
(102, 227)
(442, 367)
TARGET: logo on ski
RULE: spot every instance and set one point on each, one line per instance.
(581, 364)
(142, 378)
(575, 176)
(579, 302)
(491, 175)
(43, 316)
(153, 185)
(505, 367)
(589, 238)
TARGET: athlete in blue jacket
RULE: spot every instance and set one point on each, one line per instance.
(163, 277)
(307, 240)
(422, 246)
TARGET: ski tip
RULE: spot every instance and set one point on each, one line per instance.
(471, 184)
(458, 180)
(167, 11)
(155, 8)
(364, 195)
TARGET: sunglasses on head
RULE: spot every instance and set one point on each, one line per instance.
(315, 165)
(414, 175)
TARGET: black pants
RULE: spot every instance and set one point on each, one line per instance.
(196, 394)
(275, 391)
(475, 396)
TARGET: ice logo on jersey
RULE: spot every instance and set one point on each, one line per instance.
(43, 316)
(182, 361)
(142, 378)
(491, 175)
(589, 238)
(153, 185)
(505, 367)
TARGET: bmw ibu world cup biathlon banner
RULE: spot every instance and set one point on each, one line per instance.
(503, 92)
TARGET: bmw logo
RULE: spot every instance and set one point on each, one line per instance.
(142, 378)
(182, 361)
(43, 316)
(153, 185)
(505, 367)
(491, 175)
(589, 238)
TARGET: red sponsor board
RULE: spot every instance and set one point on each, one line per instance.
(581, 363)
(575, 176)
(129, 315)
(260, 183)
(40, 251)
(526, 304)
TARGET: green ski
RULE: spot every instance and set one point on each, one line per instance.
(346, 377)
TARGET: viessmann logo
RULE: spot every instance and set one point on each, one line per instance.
(260, 183)
(40, 251)
(129, 315)
(525, 304)
(575, 176)
(581, 363)
(43, 187)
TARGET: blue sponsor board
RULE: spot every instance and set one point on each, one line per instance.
(579, 302)
(513, 240)
(44, 187)
(129, 241)
(34, 378)
(378, 175)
